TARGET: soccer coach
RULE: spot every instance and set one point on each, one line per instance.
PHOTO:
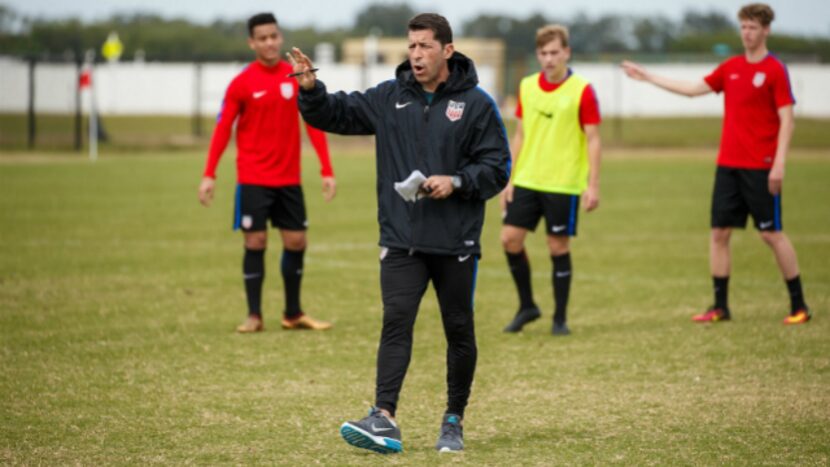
(435, 119)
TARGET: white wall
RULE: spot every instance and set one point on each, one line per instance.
(619, 95)
(169, 88)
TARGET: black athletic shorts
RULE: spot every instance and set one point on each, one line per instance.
(739, 192)
(559, 210)
(255, 204)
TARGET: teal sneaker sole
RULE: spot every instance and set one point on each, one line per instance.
(361, 439)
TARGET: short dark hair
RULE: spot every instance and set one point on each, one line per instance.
(260, 19)
(759, 12)
(436, 23)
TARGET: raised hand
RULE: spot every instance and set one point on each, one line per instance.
(302, 64)
(634, 70)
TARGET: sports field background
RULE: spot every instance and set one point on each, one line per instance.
(119, 294)
(163, 132)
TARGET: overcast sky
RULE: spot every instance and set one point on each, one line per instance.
(810, 17)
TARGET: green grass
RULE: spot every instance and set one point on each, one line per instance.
(130, 133)
(119, 295)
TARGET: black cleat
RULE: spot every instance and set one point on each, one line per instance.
(560, 329)
(523, 316)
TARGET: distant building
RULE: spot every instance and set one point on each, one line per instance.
(392, 51)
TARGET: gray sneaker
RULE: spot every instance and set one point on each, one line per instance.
(560, 329)
(376, 432)
(523, 316)
(452, 434)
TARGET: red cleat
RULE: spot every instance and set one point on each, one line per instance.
(712, 315)
(799, 317)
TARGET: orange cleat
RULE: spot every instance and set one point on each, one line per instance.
(252, 324)
(304, 322)
(712, 315)
(799, 317)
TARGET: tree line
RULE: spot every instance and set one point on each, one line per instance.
(156, 38)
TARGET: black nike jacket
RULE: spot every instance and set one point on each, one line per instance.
(459, 133)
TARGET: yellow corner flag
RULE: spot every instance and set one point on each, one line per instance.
(112, 48)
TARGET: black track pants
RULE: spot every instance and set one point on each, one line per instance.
(403, 280)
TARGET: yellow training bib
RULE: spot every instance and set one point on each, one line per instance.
(554, 154)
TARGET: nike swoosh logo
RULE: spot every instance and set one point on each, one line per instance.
(461, 259)
(259, 94)
(558, 228)
(563, 274)
(376, 429)
(251, 276)
(399, 106)
(764, 225)
(546, 115)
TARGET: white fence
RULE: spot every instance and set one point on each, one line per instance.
(619, 95)
(185, 88)
(160, 88)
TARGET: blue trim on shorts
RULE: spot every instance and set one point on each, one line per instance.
(237, 210)
(572, 217)
(777, 217)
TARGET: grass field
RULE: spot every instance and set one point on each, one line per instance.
(130, 133)
(119, 295)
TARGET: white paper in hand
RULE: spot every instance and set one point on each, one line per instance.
(409, 189)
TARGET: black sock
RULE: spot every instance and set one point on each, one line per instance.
(292, 275)
(561, 286)
(796, 294)
(520, 269)
(253, 272)
(721, 287)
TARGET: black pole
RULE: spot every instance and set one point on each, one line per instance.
(78, 117)
(32, 129)
(197, 99)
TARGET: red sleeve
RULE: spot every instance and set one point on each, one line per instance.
(519, 104)
(224, 128)
(715, 79)
(589, 108)
(782, 88)
(321, 146)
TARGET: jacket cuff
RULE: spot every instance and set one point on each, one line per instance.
(466, 189)
(318, 90)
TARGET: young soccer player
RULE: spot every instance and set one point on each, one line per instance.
(556, 151)
(757, 127)
(262, 100)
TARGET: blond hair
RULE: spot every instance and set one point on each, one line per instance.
(760, 12)
(551, 32)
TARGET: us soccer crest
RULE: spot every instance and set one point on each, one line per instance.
(758, 79)
(287, 90)
(455, 110)
(247, 222)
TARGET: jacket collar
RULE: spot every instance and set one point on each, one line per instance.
(462, 76)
